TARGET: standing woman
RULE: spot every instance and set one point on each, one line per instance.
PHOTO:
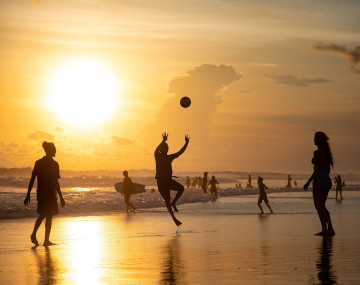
(322, 161)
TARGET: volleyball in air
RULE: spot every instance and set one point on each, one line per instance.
(185, 102)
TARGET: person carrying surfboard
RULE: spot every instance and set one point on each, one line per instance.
(128, 187)
(164, 174)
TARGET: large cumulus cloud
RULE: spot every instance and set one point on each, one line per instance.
(204, 85)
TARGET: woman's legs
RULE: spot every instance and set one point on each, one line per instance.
(320, 197)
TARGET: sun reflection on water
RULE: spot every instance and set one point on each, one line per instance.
(85, 251)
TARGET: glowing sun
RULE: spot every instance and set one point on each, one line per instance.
(83, 92)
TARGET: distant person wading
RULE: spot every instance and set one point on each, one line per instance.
(164, 174)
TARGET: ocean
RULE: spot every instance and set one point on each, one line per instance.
(96, 194)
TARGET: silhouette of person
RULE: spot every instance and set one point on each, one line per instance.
(47, 172)
(193, 185)
(322, 161)
(205, 182)
(262, 195)
(343, 184)
(338, 182)
(164, 174)
(128, 187)
(188, 182)
(249, 182)
(289, 182)
(200, 182)
(213, 188)
(295, 183)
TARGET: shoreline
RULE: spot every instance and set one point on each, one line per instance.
(112, 203)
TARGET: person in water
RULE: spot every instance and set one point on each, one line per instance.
(213, 188)
(193, 185)
(249, 182)
(289, 182)
(205, 182)
(164, 174)
(322, 161)
(338, 182)
(262, 195)
(47, 172)
(128, 187)
(188, 182)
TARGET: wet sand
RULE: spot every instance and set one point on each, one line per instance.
(222, 242)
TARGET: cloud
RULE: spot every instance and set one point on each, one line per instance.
(205, 85)
(351, 53)
(297, 82)
(122, 140)
(41, 135)
(58, 129)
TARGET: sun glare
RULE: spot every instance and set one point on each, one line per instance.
(83, 92)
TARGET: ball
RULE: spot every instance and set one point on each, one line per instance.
(185, 102)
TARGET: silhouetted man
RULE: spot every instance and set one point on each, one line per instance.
(47, 172)
(164, 174)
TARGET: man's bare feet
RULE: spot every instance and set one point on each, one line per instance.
(48, 243)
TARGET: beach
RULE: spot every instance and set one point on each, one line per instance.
(224, 241)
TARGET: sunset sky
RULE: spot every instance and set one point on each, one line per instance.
(103, 80)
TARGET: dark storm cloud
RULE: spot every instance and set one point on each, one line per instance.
(297, 82)
(351, 53)
(122, 140)
(41, 135)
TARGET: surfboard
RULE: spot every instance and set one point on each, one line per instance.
(137, 188)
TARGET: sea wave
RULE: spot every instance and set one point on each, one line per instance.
(85, 201)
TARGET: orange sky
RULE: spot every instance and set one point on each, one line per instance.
(263, 77)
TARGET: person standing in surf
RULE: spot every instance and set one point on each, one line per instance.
(47, 172)
(128, 188)
(188, 182)
(204, 184)
(213, 189)
(322, 161)
(164, 176)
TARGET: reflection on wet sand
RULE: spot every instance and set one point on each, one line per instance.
(46, 265)
(265, 249)
(323, 265)
(85, 251)
(172, 271)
